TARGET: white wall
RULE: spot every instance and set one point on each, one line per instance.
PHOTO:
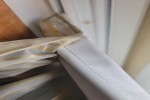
(138, 61)
(31, 12)
(139, 56)
(126, 17)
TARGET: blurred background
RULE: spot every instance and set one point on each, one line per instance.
(119, 28)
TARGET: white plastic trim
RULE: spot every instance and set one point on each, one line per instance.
(97, 75)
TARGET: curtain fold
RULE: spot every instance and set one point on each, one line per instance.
(27, 66)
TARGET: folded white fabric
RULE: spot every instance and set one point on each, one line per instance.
(97, 75)
(26, 65)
